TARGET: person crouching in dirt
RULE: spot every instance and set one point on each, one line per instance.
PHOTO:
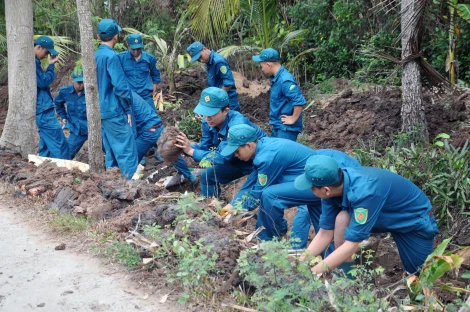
(363, 200)
(286, 100)
(276, 164)
(149, 127)
(218, 119)
(115, 102)
(71, 106)
(52, 141)
(218, 71)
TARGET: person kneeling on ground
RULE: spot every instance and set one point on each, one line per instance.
(218, 119)
(276, 164)
(363, 200)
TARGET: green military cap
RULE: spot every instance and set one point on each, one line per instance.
(47, 43)
(267, 55)
(237, 136)
(320, 170)
(211, 101)
(194, 50)
(77, 74)
(108, 28)
(135, 41)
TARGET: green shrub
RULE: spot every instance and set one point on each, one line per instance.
(190, 124)
(440, 170)
(283, 283)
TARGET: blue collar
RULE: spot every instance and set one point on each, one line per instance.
(278, 74)
(223, 130)
(129, 55)
(345, 202)
(211, 58)
(72, 90)
(103, 46)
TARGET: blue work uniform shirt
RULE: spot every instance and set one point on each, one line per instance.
(279, 161)
(145, 118)
(44, 80)
(75, 114)
(284, 95)
(213, 137)
(113, 89)
(378, 201)
(219, 75)
(140, 74)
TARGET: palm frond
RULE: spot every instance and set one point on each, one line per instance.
(212, 18)
(298, 58)
(281, 42)
(234, 49)
(263, 14)
(464, 11)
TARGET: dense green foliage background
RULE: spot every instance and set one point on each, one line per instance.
(339, 30)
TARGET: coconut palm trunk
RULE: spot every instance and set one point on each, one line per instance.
(19, 131)
(95, 154)
(412, 110)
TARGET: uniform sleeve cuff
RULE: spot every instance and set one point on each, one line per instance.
(355, 236)
(198, 155)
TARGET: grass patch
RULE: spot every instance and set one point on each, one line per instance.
(68, 223)
(110, 247)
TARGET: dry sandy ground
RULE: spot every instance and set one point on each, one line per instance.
(36, 277)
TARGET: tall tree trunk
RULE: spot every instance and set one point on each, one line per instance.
(19, 131)
(111, 8)
(412, 110)
(95, 153)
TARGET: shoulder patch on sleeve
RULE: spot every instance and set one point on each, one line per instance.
(223, 69)
(262, 179)
(360, 215)
(292, 87)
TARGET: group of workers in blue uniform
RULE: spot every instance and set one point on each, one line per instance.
(344, 201)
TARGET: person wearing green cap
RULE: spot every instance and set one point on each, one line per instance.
(52, 141)
(218, 71)
(286, 100)
(218, 119)
(115, 102)
(70, 104)
(276, 164)
(363, 200)
(141, 69)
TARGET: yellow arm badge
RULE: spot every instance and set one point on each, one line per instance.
(262, 179)
(360, 215)
(223, 69)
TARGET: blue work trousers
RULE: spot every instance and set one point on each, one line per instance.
(149, 100)
(75, 142)
(278, 197)
(52, 141)
(148, 139)
(415, 246)
(212, 177)
(284, 134)
(119, 145)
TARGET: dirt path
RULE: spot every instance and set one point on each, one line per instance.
(36, 277)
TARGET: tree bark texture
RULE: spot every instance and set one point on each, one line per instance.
(412, 110)
(95, 153)
(19, 132)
